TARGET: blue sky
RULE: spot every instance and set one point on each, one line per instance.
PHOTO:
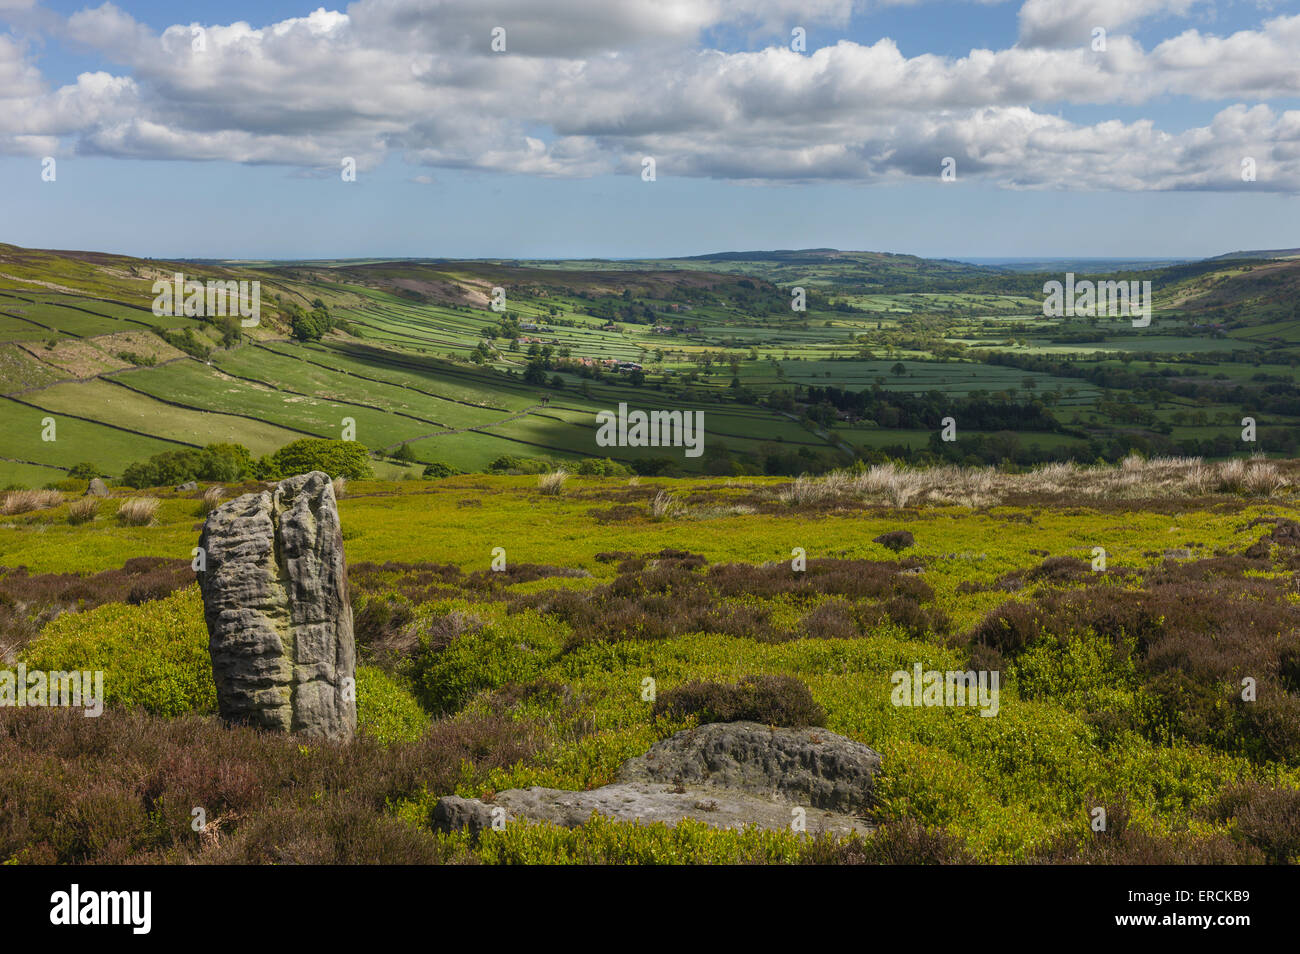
(1061, 151)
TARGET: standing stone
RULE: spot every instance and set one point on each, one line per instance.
(276, 603)
(96, 488)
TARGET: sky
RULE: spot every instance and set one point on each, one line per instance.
(523, 129)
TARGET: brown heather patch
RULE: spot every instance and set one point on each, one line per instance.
(417, 582)
(1054, 571)
(659, 611)
(496, 580)
(1282, 542)
(620, 493)
(121, 787)
(616, 514)
(779, 700)
(835, 619)
(664, 559)
(28, 602)
(904, 841)
(1133, 846)
(1265, 819)
(852, 579)
(896, 540)
(1195, 632)
(665, 594)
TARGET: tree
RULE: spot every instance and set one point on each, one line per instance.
(898, 370)
(310, 326)
(336, 458)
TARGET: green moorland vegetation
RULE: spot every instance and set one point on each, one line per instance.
(413, 361)
(1122, 685)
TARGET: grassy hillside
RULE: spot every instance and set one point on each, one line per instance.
(418, 361)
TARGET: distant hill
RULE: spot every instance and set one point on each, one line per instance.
(1261, 253)
(1080, 266)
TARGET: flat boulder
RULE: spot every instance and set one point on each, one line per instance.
(725, 774)
(276, 605)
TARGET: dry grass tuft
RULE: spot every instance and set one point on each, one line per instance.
(665, 506)
(137, 511)
(1133, 478)
(552, 484)
(83, 510)
(211, 499)
(23, 501)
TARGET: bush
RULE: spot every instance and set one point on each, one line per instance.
(1008, 629)
(514, 649)
(437, 471)
(895, 540)
(86, 471)
(602, 467)
(510, 464)
(385, 710)
(137, 511)
(186, 340)
(336, 458)
(216, 462)
(154, 655)
(773, 700)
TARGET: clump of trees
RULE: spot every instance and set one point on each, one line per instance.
(309, 325)
(230, 462)
(216, 462)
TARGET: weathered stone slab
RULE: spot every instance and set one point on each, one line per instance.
(727, 775)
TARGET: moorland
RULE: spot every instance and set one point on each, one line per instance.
(1122, 683)
(1102, 531)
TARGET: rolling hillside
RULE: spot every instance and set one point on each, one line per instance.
(419, 361)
